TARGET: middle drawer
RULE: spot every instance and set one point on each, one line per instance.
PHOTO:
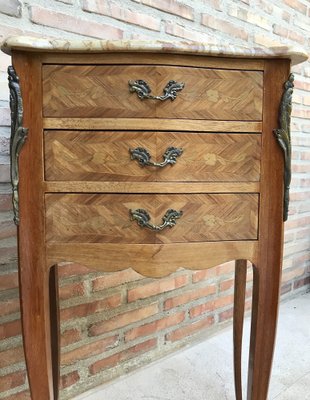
(128, 156)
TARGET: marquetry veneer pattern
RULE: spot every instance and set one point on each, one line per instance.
(101, 91)
(83, 218)
(104, 156)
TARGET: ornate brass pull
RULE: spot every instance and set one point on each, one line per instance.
(142, 217)
(144, 91)
(144, 157)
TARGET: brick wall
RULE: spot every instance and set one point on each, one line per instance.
(114, 323)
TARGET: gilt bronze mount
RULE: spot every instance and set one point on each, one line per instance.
(18, 135)
(283, 135)
(143, 90)
(143, 219)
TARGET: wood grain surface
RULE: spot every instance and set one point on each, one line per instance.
(150, 124)
(149, 58)
(104, 156)
(151, 187)
(162, 259)
(85, 218)
(103, 91)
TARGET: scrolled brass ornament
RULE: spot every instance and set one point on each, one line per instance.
(18, 136)
(143, 90)
(283, 135)
(144, 158)
(143, 218)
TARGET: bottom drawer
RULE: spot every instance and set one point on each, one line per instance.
(113, 218)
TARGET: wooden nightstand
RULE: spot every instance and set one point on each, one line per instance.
(153, 156)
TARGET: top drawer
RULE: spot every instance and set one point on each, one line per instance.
(103, 92)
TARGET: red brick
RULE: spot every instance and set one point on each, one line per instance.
(301, 259)
(5, 202)
(171, 28)
(280, 30)
(285, 288)
(305, 155)
(223, 26)
(216, 4)
(301, 113)
(155, 326)
(201, 309)
(71, 269)
(12, 380)
(265, 6)
(170, 6)
(125, 355)
(297, 5)
(9, 306)
(302, 282)
(296, 37)
(302, 85)
(189, 296)
(11, 356)
(228, 284)
(123, 14)
(70, 336)
(4, 173)
(69, 23)
(225, 315)
(123, 319)
(71, 290)
(211, 305)
(89, 350)
(5, 116)
(115, 279)
(225, 269)
(7, 255)
(11, 7)
(10, 329)
(250, 17)
(9, 281)
(203, 274)
(297, 222)
(69, 379)
(7, 229)
(286, 16)
(82, 310)
(291, 274)
(189, 330)
(25, 395)
(156, 287)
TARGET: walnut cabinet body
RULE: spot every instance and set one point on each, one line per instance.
(78, 183)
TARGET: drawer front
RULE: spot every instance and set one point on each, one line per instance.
(98, 218)
(105, 156)
(103, 91)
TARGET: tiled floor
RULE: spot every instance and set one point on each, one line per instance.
(204, 371)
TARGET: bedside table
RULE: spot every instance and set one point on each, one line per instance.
(154, 156)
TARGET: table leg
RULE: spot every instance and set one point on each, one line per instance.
(239, 300)
(35, 307)
(263, 330)
(55, 327)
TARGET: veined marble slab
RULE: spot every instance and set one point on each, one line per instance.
(27, 43)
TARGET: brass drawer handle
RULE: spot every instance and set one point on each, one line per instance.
(143, 90)
(144, 157)
(142, 217)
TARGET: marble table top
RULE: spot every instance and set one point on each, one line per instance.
(27, 43)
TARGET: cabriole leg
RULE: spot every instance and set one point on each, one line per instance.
(239, 300)
(263, 330)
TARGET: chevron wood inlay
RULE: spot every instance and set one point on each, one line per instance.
(104, 156)
(96, 218)
(102, 91)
